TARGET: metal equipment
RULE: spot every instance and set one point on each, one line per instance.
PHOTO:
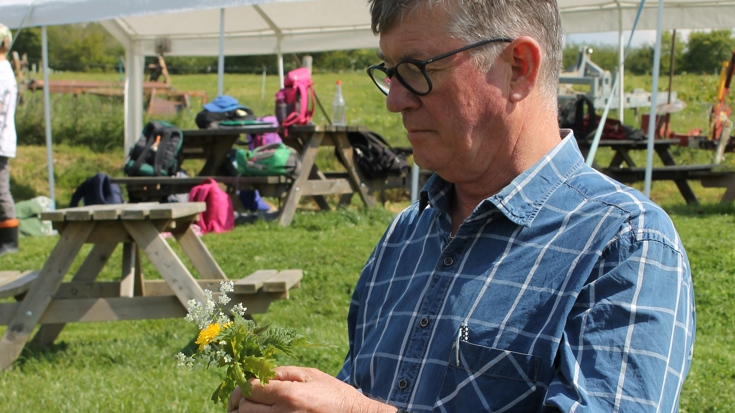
(598, 85)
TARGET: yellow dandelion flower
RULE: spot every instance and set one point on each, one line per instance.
(207, 335)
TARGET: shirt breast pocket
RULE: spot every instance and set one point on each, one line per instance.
(489, 379)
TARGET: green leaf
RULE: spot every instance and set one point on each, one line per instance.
(260, 367)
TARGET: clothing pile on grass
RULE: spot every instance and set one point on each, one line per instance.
(29, 217)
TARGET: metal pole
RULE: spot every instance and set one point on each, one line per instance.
(47, 116)
(280, 65)
(621, 66)
(221, 60)
(415, 182)
(654, 99)
(262, 86)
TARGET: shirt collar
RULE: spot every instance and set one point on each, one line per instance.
(522, 199)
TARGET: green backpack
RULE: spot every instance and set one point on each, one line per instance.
(268, 160)
(157, 151)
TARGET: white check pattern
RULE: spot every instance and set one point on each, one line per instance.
(567, 291)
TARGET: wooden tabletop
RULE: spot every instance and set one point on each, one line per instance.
(137, 211)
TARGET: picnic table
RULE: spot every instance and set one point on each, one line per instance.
(44, 298)
(214, 146)
(623, 168)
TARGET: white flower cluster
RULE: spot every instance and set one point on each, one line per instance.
(204, 315)
(210, 312)
(184, 361)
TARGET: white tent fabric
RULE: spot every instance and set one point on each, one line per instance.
(590, 16)
(57, 12)
(307, 26)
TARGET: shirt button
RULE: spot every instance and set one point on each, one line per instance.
(424, 322)
(402, 384)
(448, 261)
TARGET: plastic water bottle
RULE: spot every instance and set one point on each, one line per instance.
(338, 107)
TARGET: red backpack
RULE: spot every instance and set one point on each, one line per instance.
(295, 102)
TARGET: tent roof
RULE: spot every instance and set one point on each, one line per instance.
(58, 12)
(590, 16)
(192, 26)
(307, 26)
(319, 25)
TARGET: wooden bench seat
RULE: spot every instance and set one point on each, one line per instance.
(667, 173)
(16, 283)
(156, 188)
(101, 301)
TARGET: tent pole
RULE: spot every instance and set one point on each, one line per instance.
(598, 133)
(654, 101)
(280, 64)
(221, 61)
(621, 65)
(134, 69)
(47, 116)
(415, 171)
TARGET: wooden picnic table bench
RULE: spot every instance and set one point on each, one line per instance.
(45, 299)
(214, 146)
(623, 168)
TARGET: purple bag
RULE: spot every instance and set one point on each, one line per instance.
(265, 138)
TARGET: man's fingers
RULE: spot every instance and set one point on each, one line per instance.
(291, 373)
(234, 402)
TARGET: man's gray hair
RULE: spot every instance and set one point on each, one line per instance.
(475, 20)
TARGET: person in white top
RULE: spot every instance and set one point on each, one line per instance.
(8, 142)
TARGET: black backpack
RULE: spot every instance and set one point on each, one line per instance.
(97, 190)
(210, 120)
(572, 114)
(375, 157)
(157, 151)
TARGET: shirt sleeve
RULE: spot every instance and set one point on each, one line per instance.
(627, 344)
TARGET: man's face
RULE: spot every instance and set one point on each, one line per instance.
(458, 129)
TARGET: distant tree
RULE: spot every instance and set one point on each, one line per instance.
(640, 60)
(185, 65)
(353, 60)
(707, 51)
(679, 57)
(603, 55)
(28, 42)
(83, 48)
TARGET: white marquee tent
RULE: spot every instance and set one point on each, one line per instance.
(194, 27)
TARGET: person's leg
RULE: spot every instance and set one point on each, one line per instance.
(8, 220)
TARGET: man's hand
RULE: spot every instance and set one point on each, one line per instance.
(299, 389)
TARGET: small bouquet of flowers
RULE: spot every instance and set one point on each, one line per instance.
(246, 350)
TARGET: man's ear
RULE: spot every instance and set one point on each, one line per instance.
(525, 66)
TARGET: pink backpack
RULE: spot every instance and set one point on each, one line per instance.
(295, 102)
(220, 215)
(263, 139)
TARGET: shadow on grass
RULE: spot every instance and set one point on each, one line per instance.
(35, 352)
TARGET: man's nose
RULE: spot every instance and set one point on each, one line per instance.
(399, 98)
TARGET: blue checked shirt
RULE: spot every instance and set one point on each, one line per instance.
(565, 291)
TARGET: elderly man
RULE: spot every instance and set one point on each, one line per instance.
(522, 280)
(8, 96)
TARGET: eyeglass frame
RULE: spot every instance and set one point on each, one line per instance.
(421, 65)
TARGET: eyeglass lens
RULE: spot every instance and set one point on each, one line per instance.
(407, 73)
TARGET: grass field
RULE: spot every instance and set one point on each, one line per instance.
(129, 367)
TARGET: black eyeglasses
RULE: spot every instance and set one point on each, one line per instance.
(412, 73)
